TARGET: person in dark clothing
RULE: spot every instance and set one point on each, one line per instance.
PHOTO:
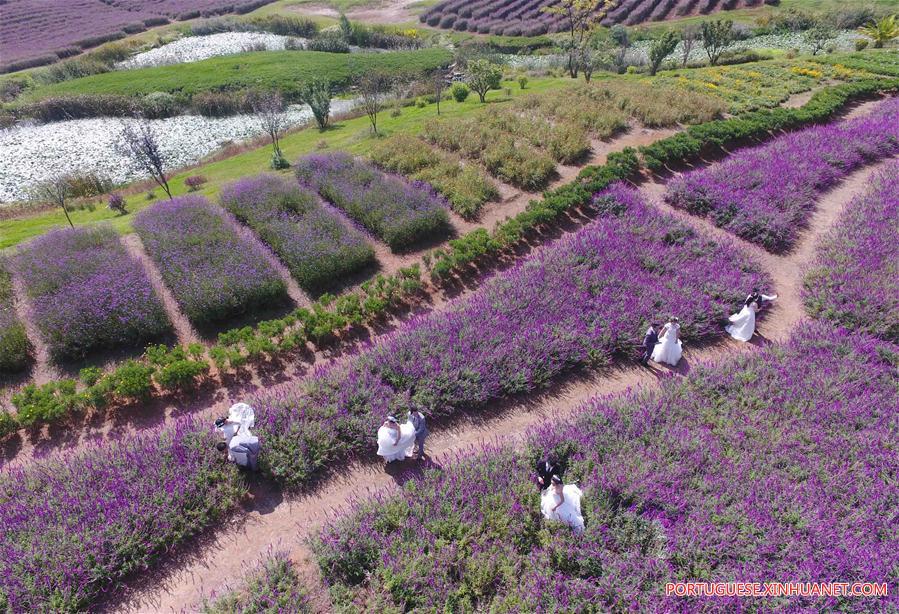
(650, 339)
(421, 431)
(546, 469)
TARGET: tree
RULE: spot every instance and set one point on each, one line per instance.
(269, 107)
(881, 32)
(140, 144)
(660, 49)
(373, 88)
(317, 94)
(346, 28)
(484, 76)
(439, 84)
(688, 37)
(579, 16)
(716, 37)
(818, 36)
(623, 41)
(55, 191)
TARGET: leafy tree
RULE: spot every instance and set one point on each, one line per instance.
(139, 142)
(660, 49)
(580, 17)
(484, 76)
(622, 40)
(716, 37)
(882, 31)
(346, 28)
(817, 37)
(317, 94)
(688, 36)
(56, 191)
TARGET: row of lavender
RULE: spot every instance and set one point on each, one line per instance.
(74, 526)
(14, 347)
(87, 293)
(774, 465)
(765, 194)
(855, 280)
(575, 302)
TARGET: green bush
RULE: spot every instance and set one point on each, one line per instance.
(45, 404)
(8, 424)
(181, 374)
(132, 380)
(459, 92)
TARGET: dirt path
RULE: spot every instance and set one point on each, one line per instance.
(269, 521)
(183, 328)
(42, 371)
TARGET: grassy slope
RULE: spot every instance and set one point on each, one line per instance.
(350, 135)
(286, 70)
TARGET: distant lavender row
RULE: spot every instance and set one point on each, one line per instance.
(855, 280)
(317, 246)
(765, 194)
(400, 213)
(215, 268)
(778, 464)
(14, 346)
(575, 302)
(74, 526)
(88, 293)
(272, 588)
(33, 28)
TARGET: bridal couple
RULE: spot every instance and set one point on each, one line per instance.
(557, 501)
(399, 441)
(666, 347)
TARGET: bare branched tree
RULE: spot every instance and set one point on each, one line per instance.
(439, 87)
(56, 191)
(269, 107)
(139, 143)
(688, 36)
(373, 88)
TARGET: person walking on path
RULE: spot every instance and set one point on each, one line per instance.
(417, 418)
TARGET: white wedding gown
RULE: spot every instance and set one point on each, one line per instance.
(569, 512)
(742, 326)
(399, 451)
(669, 349)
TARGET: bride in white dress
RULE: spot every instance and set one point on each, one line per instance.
(563, 503)
(742, 325)
(669, 349)
(395, 441)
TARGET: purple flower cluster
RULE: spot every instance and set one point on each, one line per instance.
(776, 466)
(214, 267)
(399, 212)
(75, 526)
(764, 194)
(87, 292)
(575, 302)
(315, 243)
(274, 587)
(855, 281)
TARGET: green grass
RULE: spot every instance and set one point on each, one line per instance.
(283, 70)
(351, 135)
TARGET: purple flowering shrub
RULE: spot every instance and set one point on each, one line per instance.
(15, 351)
(317, 246)
(575, 302)
(398, 212)
(88, 293)
(774, 466)
(855, 280)
(764, 194)
(74, 526)
(273, 587)
(213, 266)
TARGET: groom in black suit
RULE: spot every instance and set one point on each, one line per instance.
(650, 339)
(546, 469)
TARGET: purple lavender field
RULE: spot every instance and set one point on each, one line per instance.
(43, 31)
(398, 212)
(776, 465)
(317, 246)
(74, 526)
(213, 266)
(855, 280)
(87, 293)
(764, 194)
(573, 303)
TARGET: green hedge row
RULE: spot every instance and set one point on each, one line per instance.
(758, 124)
